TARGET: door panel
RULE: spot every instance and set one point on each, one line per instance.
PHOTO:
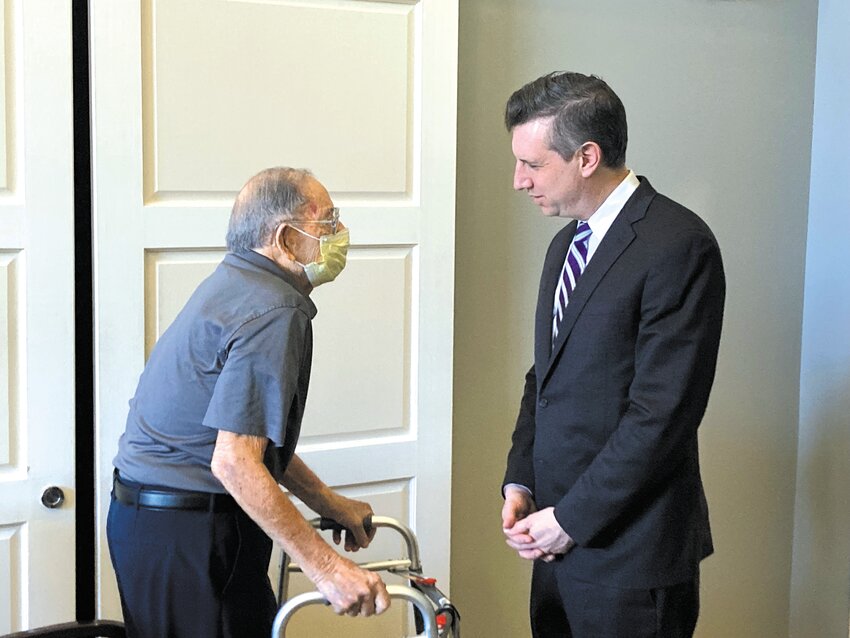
(274, 69)
(36, 313)
(192, 97)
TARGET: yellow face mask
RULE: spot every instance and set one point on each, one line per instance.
(333, 251)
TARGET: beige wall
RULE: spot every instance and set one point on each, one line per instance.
(719, 100)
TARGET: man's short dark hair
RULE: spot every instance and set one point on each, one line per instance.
(270, 197)
(583, 109)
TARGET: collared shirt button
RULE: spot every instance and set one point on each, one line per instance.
(543, 403)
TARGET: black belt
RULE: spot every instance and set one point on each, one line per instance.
(154, 499)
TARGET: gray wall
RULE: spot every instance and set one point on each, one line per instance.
(719, 99)
(820, 585)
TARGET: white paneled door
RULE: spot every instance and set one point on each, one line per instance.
(36, 314)
(192, 97)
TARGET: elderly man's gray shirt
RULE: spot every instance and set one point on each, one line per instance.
(236, 358)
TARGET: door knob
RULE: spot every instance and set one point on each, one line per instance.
(53, 497)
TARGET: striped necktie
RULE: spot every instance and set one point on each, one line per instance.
(574, 265)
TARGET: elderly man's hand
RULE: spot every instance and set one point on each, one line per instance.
(352, 515)
(351, 590)
(539, 535)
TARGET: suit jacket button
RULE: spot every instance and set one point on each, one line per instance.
(543, 403)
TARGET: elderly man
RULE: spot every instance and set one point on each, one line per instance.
(603, 487)
(212, 430)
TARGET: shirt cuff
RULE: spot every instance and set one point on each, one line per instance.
(518, 486)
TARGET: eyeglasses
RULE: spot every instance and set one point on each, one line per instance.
(333, 221)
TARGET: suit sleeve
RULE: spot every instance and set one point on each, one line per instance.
(675, 357)
(520, 464)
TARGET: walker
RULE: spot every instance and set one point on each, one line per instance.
(434, 614)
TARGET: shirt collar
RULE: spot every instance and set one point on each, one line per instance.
(605, 215)
(264, 263)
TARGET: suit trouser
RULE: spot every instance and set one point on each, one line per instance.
(191, 573)
(562, 607)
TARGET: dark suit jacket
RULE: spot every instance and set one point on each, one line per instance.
(607, 429)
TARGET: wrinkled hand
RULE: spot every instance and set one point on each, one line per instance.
(351, 590)
(539, 535)
(351, 514)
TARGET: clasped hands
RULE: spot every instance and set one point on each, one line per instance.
(533, 534)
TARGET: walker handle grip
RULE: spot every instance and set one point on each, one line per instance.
(329, 523)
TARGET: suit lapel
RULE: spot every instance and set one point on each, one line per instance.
(616, 240)
(546, 296)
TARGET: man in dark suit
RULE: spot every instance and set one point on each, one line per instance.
(603, 489)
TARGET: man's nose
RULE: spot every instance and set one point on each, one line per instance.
(521, 179)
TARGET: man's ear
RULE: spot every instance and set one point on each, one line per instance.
(590, 158)
(279, 241)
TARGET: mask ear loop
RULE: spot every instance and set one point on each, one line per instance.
(304, 232)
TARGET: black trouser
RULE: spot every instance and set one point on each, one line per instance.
(565, 608)
(199, 573)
